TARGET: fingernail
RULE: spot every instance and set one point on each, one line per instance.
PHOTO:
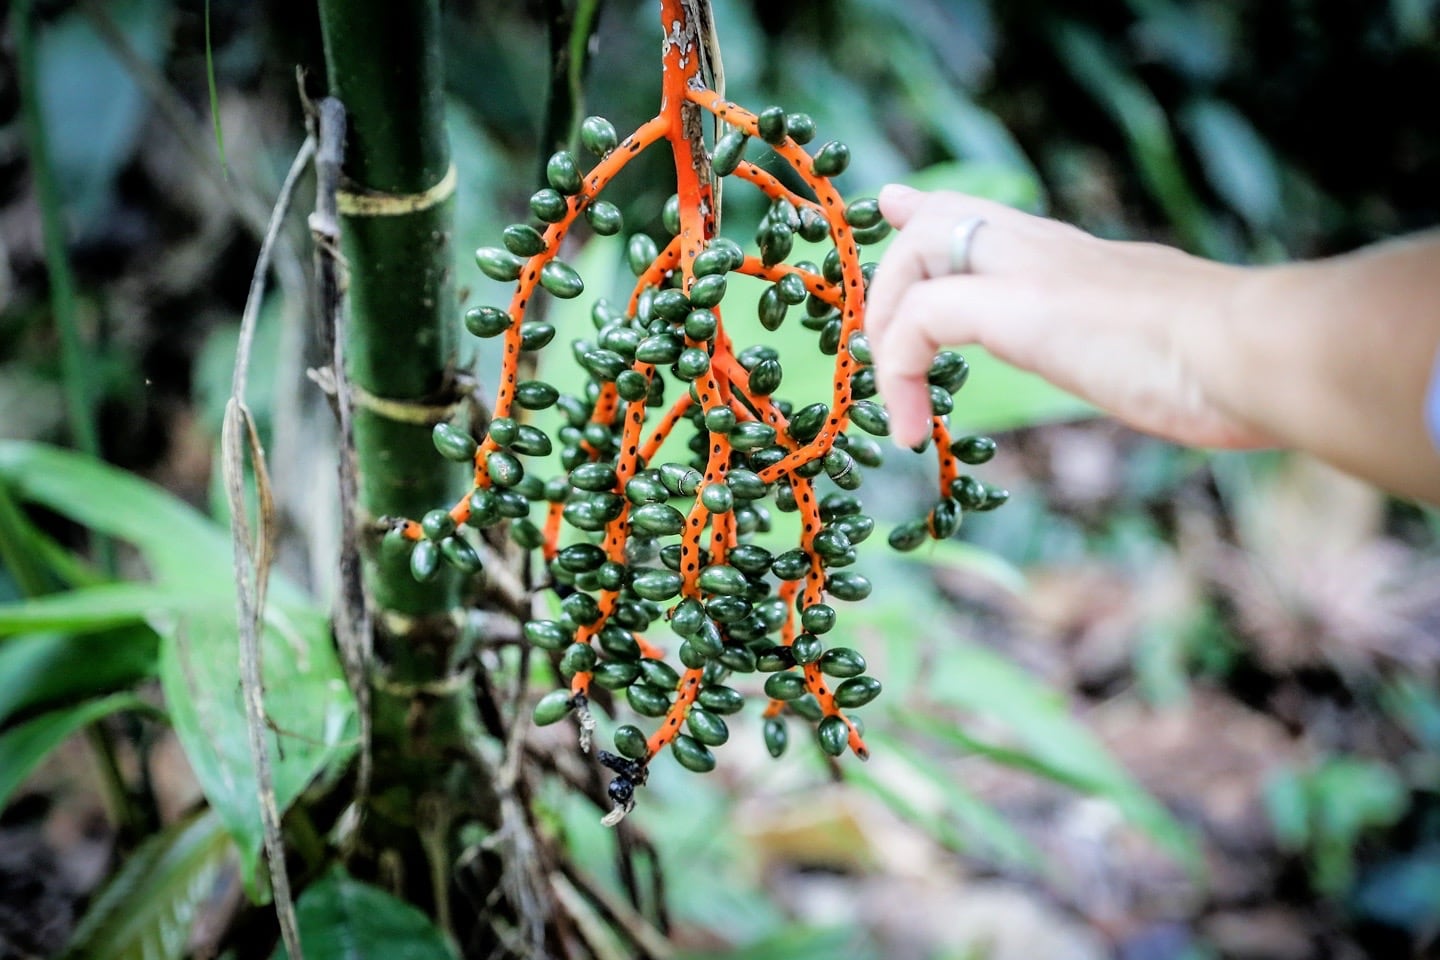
(896, 191)
(900, 431)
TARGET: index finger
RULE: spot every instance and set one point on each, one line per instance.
(921, 249)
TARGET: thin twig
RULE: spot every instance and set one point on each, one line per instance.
(252, 561)
(598, 938)
(648, 942)
(521, 856)
(353, 618)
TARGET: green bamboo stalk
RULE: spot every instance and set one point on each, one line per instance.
(384, 64)
(401, 355)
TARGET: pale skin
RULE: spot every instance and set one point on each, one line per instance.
(1331, 357)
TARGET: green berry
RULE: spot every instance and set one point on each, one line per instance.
(598, 135)
(831, 159)
(770, 123)
(630, 741)
(548, 205)
(834, 735)
(487, 321)
(563, 173)
(523, 240)
(776, 736)
(857, 691)
(452, 443)
(553, 707)
(561, 280)
(498, 263)
(692, 754)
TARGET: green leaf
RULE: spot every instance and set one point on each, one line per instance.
(146, 911)
(50, 669)
(179, 545)
(982, 830)
(801, 943)
(341, 918)
(1238, 163)
(214, 97)
(94, 110)
(307, 703)
(89, 609)
(1002, 397)
(962, 555)
(1003, 183)
(1047, 739)
(18, 548)
(192, 608)
(1288, 806)
(1143, 122)
(22, 748)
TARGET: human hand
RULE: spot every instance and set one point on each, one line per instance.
(1135, 329)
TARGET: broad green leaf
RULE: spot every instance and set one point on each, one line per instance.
(1002, 397)
(22, 748)
(1143, 122)
(49, 669)
(90, 609)
(981, 829)
(307, 703)
(94, 110)
(1046, 735)
(146, 911)
(480, 166)
(1287, 804)
(801, 943)
(341, 918)
(1238, 163)
(962, 555)
(19, 548)
(1012, 186)
(191, 606)
(179, 545)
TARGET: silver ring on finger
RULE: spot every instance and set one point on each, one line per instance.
(962, 239)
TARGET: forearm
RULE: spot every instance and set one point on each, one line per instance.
(1334, 358)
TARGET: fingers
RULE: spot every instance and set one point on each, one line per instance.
(922, 249)
(899, 202)
(933, 314)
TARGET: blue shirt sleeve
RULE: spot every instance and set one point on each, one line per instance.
(1432, 404)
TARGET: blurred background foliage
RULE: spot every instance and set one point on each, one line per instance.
(1164, 704)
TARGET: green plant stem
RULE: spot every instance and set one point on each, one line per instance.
(18, 548)
(79, 399)
(570, 26)
(400, 362)
(79, 402)
(401, 345)
(129, 816)
(74, 359)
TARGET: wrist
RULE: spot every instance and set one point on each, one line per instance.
(1229, 342)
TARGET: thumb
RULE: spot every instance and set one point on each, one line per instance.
(899, 203)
